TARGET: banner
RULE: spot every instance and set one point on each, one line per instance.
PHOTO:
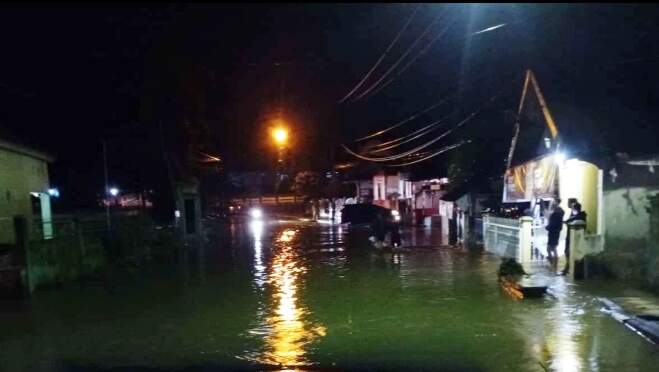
(531, 180)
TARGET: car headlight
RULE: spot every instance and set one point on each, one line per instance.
(256, 213)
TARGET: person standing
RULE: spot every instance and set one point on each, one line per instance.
(554, 227)
(576, 214)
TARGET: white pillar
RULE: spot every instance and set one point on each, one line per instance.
(46, 215)
(525, 239)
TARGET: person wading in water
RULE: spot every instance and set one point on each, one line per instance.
(554, 227)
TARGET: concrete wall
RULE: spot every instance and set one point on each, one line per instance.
(19, 175)
(626, 214)
(630, 211)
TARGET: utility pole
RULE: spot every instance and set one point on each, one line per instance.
(105, 192)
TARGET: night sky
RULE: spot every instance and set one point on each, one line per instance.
(73, 75)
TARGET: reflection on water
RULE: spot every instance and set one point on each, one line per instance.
(259, 270)
(554, 331)
(292, 295)
(285, 328)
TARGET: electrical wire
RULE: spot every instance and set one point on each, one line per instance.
(421, 147)
(433, 127)
(377, 63)
(422, 52)
(414, 116)
(402, 57)
(440, 151)
(411, 134)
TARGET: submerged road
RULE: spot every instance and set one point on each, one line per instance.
(286, 295)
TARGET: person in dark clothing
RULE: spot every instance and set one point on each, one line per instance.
(395, 234)
(576, 214)
(379, 229)
(554, 227)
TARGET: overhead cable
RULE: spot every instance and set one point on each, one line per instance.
(440, 151)
(414, 116)
(421, 147)
(377, 63)
(402, 57)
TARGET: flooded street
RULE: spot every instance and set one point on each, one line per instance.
(286, 295)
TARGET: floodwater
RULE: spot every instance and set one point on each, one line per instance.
(285, 295)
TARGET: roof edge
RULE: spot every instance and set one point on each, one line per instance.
(24, 150)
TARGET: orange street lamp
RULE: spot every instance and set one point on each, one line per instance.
(280, 136)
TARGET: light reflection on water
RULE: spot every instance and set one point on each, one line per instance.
(284, 327)
(293, 296)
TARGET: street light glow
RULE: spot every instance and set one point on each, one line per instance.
(280, 135)
(114, 191)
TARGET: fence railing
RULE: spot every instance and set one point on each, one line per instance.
(501, 236)
(507, 237)
(270, 200)
(66, 226)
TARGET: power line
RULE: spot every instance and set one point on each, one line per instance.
(422, 52)
(414, 116)
(393, 67)
(408, 135)
(432, 126)
(421, 147)
(440, 151)
(377, 63)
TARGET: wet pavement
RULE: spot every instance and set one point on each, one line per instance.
(291, 295)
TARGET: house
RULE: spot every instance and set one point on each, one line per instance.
(427, 195)
(24, 188)
(460, 211)
(393, 191)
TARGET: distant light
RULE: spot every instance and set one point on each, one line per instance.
(396, 215)
(547, 142)
(177, 213)
(231, 208)
(559, 158)
(256, 213)
(54, 192)
(114, 191)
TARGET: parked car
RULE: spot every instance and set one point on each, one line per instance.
(358, 214)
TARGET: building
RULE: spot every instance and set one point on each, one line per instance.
(24, 188)
(427, 195)
(460, 211)
(631, 189)
(392, 191)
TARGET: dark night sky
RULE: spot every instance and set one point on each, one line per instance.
(71, 75)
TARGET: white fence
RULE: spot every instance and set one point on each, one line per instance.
(270, 200)
(507, 237)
